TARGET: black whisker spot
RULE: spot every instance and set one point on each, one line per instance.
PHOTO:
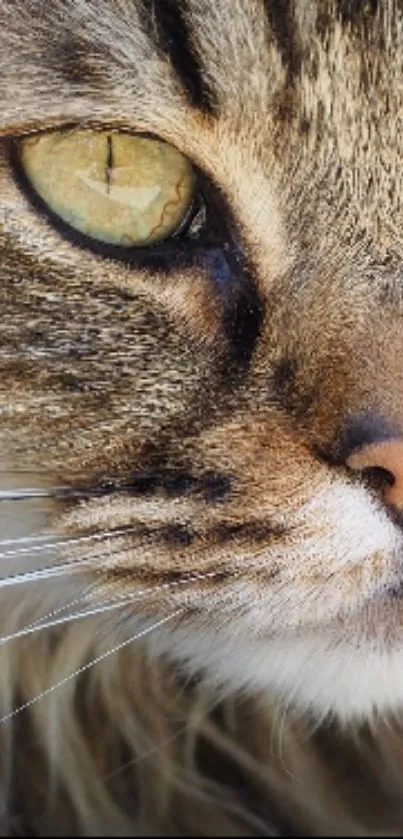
(178, 535)
(173, 483)
(216, 487)
(253, 532)
(141, 484)
(177, 482)
(225, 531)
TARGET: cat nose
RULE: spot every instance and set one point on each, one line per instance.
(370, 444)
(385, 455)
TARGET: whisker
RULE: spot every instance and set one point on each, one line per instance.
(21, 540)
(54, 492)
(39, 623)
(32, 629)
(86, 667)
(65, 492)
(191, 578)
(153, 750)
(23, 494)
(46, 573)
(63, 543)
(116, 602)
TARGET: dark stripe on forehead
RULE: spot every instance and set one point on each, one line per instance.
(280, 17)
(78, 62)
(357, 15)
(166, 23)
(356, 12)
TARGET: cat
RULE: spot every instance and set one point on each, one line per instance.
(201, 241)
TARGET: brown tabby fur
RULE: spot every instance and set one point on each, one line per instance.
(110, 370)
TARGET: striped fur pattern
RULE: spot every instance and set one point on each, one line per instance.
(227, 593)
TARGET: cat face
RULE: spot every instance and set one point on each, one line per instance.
(199, 396)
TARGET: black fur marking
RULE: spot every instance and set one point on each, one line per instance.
(211, 486)
(356, 15)
(285, 374)
(242, 326)
(242, 309)
(233, 280)
(166, 579)
(227, 531)
(166, 23)
(178, 535)
(76, 62)
(294, 393)
(252, 531)
(280, 17)
(216, 487)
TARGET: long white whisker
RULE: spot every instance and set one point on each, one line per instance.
(22, 540)
(193, 578)
(116, 602)
(62, 543)
(88, 666)
(58, 492)
(22, 494)
(40, 622)
(77, 563)
(33, 576)
(46, 573)
(85, 613)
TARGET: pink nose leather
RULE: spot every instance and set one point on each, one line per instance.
(388, 455)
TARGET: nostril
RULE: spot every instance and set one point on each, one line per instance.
(377, 478)
(382, 461)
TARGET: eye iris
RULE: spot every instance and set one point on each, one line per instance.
(121, 189)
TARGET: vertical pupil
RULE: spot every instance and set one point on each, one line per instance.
(109, 162)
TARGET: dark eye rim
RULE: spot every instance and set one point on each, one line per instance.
(180, 248)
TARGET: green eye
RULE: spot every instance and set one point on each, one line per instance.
(122, 189)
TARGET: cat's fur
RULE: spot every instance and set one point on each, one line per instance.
(222, 386)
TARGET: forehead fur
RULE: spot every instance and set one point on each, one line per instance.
(250, 53)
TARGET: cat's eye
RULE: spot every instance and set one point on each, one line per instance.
(122, 189)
